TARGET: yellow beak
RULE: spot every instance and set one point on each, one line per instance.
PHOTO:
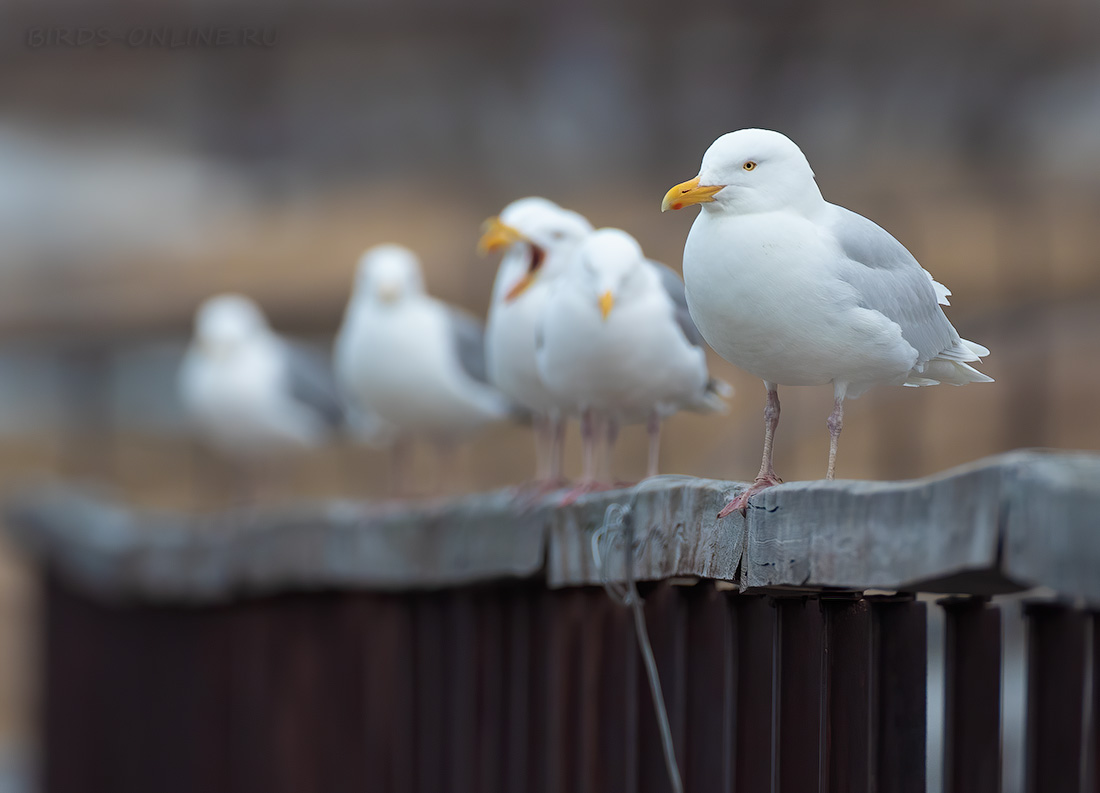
(496, 235)
(690, 192)
(521, 286)
(607, 302)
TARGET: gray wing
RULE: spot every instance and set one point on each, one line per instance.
(469, 339)
(889, 280)
(674, 287)
(310, 381)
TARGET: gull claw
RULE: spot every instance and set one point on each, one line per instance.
(531, 494)
(741, 503)
(583, 489)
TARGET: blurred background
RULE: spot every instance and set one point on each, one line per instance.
(143, 168)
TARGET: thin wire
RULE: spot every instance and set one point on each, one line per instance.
(618, 524)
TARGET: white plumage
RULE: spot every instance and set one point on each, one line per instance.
(538, 237)
(799, 291)
(616, 344)
(250, 393)
(414, 361)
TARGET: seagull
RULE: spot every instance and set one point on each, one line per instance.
(799, 291)
(538, 237)
(616, 344)
(250, 393)
(414, 361)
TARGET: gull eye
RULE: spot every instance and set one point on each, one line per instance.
(749, 165)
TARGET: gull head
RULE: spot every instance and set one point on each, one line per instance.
(750, 170)
(226, 322)
(539, 233)
(389, 274)
(608, 264)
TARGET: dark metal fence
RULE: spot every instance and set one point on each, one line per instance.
(519, 688)
(444, 652)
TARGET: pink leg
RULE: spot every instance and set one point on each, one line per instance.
(551, 477)
(589, 438)
(766, 478)
(836, 424)
(541, 431)
(611, 435)
(557, 448)
(591, 425)
(399, 465)
(654, 430)
(445, 473)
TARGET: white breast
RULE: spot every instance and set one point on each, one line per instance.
(510, 349)
(240, 406)
(760, 289)
(635, 361)
(401, 363)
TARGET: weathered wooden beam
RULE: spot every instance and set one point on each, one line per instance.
(111, 550)
(1003, 524)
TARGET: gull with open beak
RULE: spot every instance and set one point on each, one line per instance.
(617, 346)
(414, 361)
(799, 291)
(537, 237)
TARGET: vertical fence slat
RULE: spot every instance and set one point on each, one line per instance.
(134, 744)
(1094, 736)
(403, 759)
(281, 695)
(520, 708)
(544, 608)
(972, 697)
(461, 626)
(898, 694)
(433, 651)
(71, 651)
(620, 672)
(384, 655)
(1055, 695)
(848, 695)
(195, 718)
(665, 613)
(567, 614)
(349, 631)
(711, 670)
(755, 729)
(491, 712)
(587, 731)
(299, 689)
(801, 695)
(254, 686)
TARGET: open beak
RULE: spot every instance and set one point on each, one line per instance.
(496, 235)
(607, 302)
(690, 192)
(521, 286)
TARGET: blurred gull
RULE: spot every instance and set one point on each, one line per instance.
(617, 346)
(799, 291)
(538, 237)
(250, 393)
(416, 362)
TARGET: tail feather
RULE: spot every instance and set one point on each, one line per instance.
(951, 367)
(976, 348)
(964, 351)
(942, 293)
